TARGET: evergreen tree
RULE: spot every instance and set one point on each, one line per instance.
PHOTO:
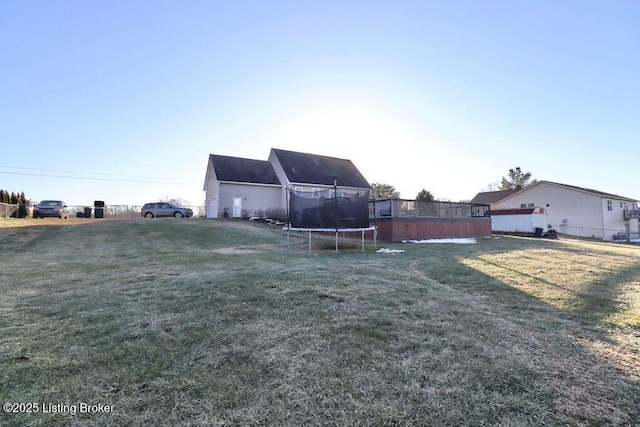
(424, 196)
(516, 180)
(13, 197)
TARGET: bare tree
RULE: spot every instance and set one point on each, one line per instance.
(174, 200)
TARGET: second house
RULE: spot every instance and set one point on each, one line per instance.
(237, 187)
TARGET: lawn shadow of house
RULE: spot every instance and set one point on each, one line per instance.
(578, 337)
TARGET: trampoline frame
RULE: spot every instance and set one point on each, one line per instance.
(334, 230)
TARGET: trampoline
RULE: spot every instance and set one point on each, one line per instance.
(329, 211)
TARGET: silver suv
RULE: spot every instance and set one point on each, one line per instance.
(160, 209)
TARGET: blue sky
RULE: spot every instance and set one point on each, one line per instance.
(123, 101)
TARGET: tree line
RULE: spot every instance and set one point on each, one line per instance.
(379, 190)
(13, 198)
(516, 180)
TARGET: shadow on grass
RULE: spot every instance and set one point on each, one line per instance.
(593, 298)
(573, 337)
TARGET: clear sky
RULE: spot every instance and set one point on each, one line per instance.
(123, 101)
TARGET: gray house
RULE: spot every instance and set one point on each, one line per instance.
(238, 187)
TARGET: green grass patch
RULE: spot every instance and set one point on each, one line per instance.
(207, 322)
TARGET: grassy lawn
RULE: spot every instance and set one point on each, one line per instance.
(205, 322)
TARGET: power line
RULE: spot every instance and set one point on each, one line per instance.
(88, 178)
(69, 171)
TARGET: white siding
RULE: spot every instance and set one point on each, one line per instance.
(520, 223)
(613, 220)
(573, 212)
(212, 192)
(255, 198)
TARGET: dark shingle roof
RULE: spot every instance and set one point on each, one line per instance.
(489, 197)
(315, 169)
(236, 169)
(595, 192)
(496, 196)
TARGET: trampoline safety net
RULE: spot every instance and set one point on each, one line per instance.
(328, 209)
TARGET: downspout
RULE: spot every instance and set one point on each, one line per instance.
(602, 216)
(286, 198)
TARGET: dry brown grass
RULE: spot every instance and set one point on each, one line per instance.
(10, 223)
(218, 323)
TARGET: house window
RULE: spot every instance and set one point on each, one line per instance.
(609, 205)
(316, 193)
(531, 205)
(523, 205)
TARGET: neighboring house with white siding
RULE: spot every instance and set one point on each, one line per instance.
(238, 187)
(574, 210)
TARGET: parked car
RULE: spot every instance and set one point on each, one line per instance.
(51, 208)
(160, 209)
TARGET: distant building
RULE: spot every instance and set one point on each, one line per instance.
(572, 210)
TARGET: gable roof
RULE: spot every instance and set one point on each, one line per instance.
(594, 192)
(322, 170)
(488, 197)
(237, 169)
(506, 195)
